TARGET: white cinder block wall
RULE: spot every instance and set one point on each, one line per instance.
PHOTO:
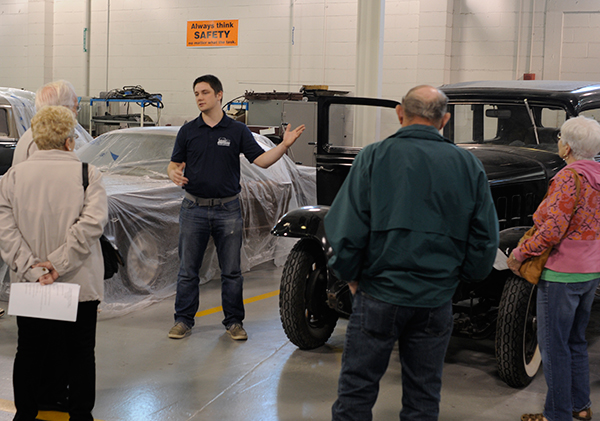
(284, 44)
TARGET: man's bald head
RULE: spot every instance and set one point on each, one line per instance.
(424, 104)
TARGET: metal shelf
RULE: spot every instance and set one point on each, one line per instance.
(142, 103)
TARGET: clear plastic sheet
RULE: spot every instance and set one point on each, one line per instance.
(83, 137)
(23, 106)
(144, 212)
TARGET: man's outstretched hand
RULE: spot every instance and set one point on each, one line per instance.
(290, 136)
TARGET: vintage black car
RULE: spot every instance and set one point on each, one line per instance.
(512, 127)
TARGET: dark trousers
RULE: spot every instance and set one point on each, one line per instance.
(75, 342)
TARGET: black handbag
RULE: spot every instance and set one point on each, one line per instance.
(111, 255)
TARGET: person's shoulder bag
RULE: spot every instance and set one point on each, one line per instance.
(532, 268)
(112, 257)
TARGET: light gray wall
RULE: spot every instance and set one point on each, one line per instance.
(284, 44)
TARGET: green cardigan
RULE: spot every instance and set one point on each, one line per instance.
(414, 216)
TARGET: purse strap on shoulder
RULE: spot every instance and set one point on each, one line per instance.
(84, 175)
(577, 194)
(577, 189)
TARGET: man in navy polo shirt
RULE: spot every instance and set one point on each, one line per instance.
(206, 163)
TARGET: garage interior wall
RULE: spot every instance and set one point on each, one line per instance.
(284, 44)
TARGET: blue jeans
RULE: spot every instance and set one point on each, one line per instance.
(196, 225)
(563, 312)
(373, 329)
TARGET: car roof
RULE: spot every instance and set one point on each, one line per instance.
(531, 85)
(20, 93)
(575, 96)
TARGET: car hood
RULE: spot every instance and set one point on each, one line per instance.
(508, 164)
(122, 184)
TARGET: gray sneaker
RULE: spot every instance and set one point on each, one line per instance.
(180, 331)
(237, 332)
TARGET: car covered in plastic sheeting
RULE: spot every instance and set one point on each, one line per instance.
(17, 108)
(144, 211)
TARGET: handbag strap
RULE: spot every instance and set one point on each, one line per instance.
(577, 194)
(84, 175)
(577, 189)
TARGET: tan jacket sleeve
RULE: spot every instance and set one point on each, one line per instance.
(13, 248)
(86, 230)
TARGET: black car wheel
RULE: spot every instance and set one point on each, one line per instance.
(142, 262)
(307, 320)
(517, 351)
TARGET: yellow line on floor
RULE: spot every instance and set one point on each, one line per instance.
(246, 301)
(52, 416)
(9, 406)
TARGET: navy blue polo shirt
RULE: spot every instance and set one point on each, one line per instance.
(212, 156)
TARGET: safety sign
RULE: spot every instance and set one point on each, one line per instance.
(212, 33)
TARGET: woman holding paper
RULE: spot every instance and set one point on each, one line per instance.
(49, 231)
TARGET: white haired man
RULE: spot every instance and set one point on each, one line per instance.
(62, 93)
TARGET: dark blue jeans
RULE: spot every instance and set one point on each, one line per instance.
(196, 225)
(373, 329)
(563, 312)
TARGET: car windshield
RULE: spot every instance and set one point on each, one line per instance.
(505, 124)
(139, 153)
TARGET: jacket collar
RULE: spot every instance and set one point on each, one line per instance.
(53, 154)
(421, 131)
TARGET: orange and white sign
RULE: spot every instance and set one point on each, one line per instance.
(212, 33)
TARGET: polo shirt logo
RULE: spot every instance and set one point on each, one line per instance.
(223, 141)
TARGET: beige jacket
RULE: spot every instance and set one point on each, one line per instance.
(44, 215)
(25, 148)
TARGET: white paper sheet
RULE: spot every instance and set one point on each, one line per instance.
(500, 263)
(57, 301)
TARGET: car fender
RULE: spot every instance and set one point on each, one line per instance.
(305, 222)
(509, 238)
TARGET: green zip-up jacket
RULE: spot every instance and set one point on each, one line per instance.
(414, 216)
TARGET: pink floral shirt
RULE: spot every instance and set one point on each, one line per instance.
(579, 250)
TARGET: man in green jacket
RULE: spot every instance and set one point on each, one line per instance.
(413, 218)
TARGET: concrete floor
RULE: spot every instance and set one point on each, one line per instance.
(143, 375)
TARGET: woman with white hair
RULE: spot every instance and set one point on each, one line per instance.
(49, 231)
(568, 220)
